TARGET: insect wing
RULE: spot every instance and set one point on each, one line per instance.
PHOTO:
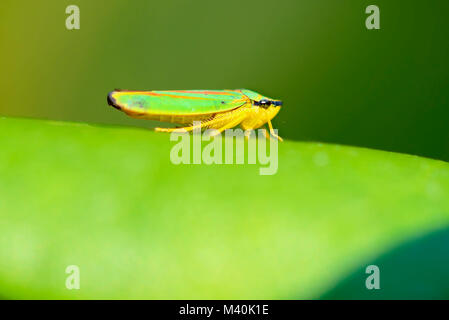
(177, 102)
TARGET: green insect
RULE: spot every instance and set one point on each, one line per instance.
(215, 109)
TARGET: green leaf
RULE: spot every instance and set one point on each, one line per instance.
(110, 201)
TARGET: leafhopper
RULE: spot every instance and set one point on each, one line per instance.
(213, 109)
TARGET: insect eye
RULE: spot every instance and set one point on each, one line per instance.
(264, 102)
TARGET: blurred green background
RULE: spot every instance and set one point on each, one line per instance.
(340, 82)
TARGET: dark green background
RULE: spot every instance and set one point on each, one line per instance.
(342, 83)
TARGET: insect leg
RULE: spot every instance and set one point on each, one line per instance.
(272, 131)
(266, 134)
(233, 121)
(248, 132)
(183, 129)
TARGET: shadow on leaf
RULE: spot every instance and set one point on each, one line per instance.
(418, 269)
